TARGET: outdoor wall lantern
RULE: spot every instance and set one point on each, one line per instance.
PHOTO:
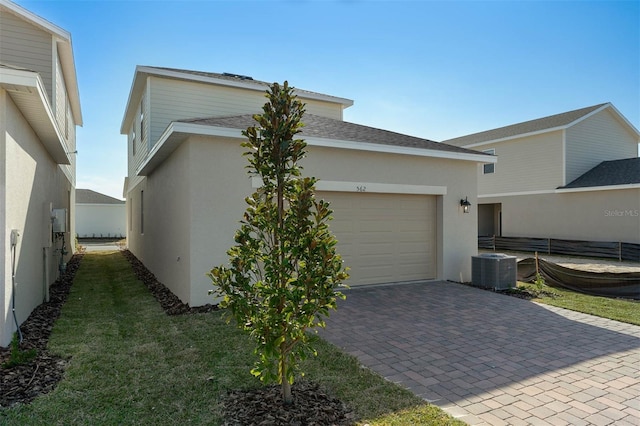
(465, 205)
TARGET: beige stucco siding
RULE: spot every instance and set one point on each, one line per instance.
(219, 184)
(26, 46)
(30, 180)
(612, 215)
(601, 137)
(200, 193)
(160, 233)
(532, 163)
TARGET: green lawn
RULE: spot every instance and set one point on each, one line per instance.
(616, 309)
(132, 364)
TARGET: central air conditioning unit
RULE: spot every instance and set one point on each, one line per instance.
(496, 271)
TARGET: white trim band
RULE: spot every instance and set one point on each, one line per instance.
(372, 187)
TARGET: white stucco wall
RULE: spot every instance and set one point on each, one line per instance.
(101, 220)
(30, 181)
(195, 200)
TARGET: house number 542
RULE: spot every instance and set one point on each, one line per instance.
(361, 188)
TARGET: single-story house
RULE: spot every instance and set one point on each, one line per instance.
(572, 176)
(396, 198)
(39, 111)
(99, 215)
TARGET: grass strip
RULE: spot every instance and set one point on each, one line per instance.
(616, 309)
(129, 363)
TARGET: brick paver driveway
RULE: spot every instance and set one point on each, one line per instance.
(492, 359)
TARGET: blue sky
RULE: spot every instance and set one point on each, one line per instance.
(431, 69)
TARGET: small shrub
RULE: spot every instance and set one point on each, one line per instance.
(19, 356)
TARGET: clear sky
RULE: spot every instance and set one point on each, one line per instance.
(432, 69)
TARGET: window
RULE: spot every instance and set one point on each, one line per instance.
(491, 167)
(142, 212)
(66, 118)
(141, 124)
(133, 140)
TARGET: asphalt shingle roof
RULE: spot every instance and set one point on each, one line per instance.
(540, 124)
(87, 196)
(328, 128)
(615, 172)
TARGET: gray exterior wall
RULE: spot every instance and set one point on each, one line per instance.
(601, 137)
(532, 163)
(26, 46)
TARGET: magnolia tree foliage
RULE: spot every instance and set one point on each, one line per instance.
(283, 271)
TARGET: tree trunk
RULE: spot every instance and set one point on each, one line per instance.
(286, 386)
(286, 393)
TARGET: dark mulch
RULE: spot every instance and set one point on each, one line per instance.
(22, 383)
(312, 406)
(171, 304)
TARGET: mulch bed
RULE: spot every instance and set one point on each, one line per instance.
(23, 383)
(311, 406)
(263, 406)
(171, 304)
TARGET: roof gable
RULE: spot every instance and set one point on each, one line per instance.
(608, 173)
(540, 125)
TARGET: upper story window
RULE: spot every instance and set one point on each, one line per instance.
(141, 124)
(491, 167)
(133, 140)
(66, 118)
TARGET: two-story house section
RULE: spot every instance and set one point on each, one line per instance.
(537, 188)
(396, 198)
(39, 112)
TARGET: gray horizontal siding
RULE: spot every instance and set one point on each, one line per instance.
(601, 137)
(23, 45)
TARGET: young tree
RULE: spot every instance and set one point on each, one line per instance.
(283, 270)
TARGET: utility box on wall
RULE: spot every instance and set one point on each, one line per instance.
(59, 217)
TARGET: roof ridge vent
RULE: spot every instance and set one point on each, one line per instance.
(239, 76)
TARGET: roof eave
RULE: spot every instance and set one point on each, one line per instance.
(508, 138)
(599, 188)
(28, 93)
(177, 132)
(65, 51)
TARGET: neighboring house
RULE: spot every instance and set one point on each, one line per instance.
(99, 216)
(573, 176)
(396, 198)
(39, 111)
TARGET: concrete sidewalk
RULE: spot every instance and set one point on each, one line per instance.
(490, 359)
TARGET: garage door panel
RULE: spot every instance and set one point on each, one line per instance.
(384, 237)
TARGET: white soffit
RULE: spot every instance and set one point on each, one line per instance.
(28, 93)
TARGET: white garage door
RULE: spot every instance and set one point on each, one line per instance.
(384, 238)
